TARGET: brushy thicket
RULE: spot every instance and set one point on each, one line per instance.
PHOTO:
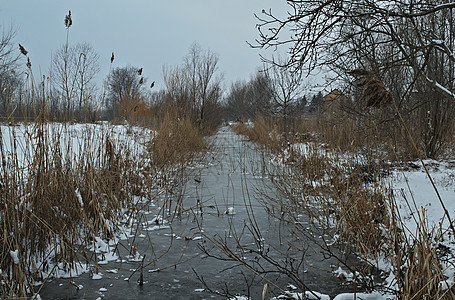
(337, 182)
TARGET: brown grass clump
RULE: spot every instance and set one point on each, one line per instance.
(325, 188)
(177, 142)
(417, 261)
(264, 131)
(48, 203)
(135, 111)
(337, 132)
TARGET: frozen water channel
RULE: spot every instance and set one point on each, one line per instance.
(186, 257)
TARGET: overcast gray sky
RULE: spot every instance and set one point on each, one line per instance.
(142, 33)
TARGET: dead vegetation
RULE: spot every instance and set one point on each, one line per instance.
(374, 92)
(332, 173)
(58, 195)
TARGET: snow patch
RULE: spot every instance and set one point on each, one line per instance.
(15, 256)
(97, 276)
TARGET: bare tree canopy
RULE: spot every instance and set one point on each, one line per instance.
(378, 36)
(195, 85)
(73, 70)
(248, 100)
(8, 56)
(10, 80)
(123, 83)
(286, 86)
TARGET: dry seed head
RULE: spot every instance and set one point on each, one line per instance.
(153, 83)
(68, 20)
(360, 72)
(374, 92)
(22, 49)
(139, 72)
(112, 57)
(141, 81)
(29, 63)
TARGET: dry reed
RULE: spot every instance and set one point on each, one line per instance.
(55, 199)
(337, 183)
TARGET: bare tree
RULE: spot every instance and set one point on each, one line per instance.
(260, 93)
(286, 88)
(73, 70)
(329, 33)
(196, 85)
(177, 88)
(8, 55)
(10, 80)
(237, 104)
(123, 83)
(208, 86)
(249, 99)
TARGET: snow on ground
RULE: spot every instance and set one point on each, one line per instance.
(362, 296)
(415, 187)
(19, 141)
(309, 295)
(412, 184)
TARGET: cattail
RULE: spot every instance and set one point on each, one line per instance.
(152, 85)
(22, 49)
(141, 81)
(112, 57)
(68, 20)
(139, 72)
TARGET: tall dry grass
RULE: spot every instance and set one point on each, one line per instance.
(263, 131)
(331, 172)
(56, 199)
(177, 141)
(59, 191)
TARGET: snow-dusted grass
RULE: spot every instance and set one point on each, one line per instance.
(62, 186)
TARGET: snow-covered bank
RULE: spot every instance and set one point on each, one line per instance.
(19, 141)
(423, 226)
(415, 193)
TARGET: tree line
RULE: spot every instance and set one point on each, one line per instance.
(195, 87)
